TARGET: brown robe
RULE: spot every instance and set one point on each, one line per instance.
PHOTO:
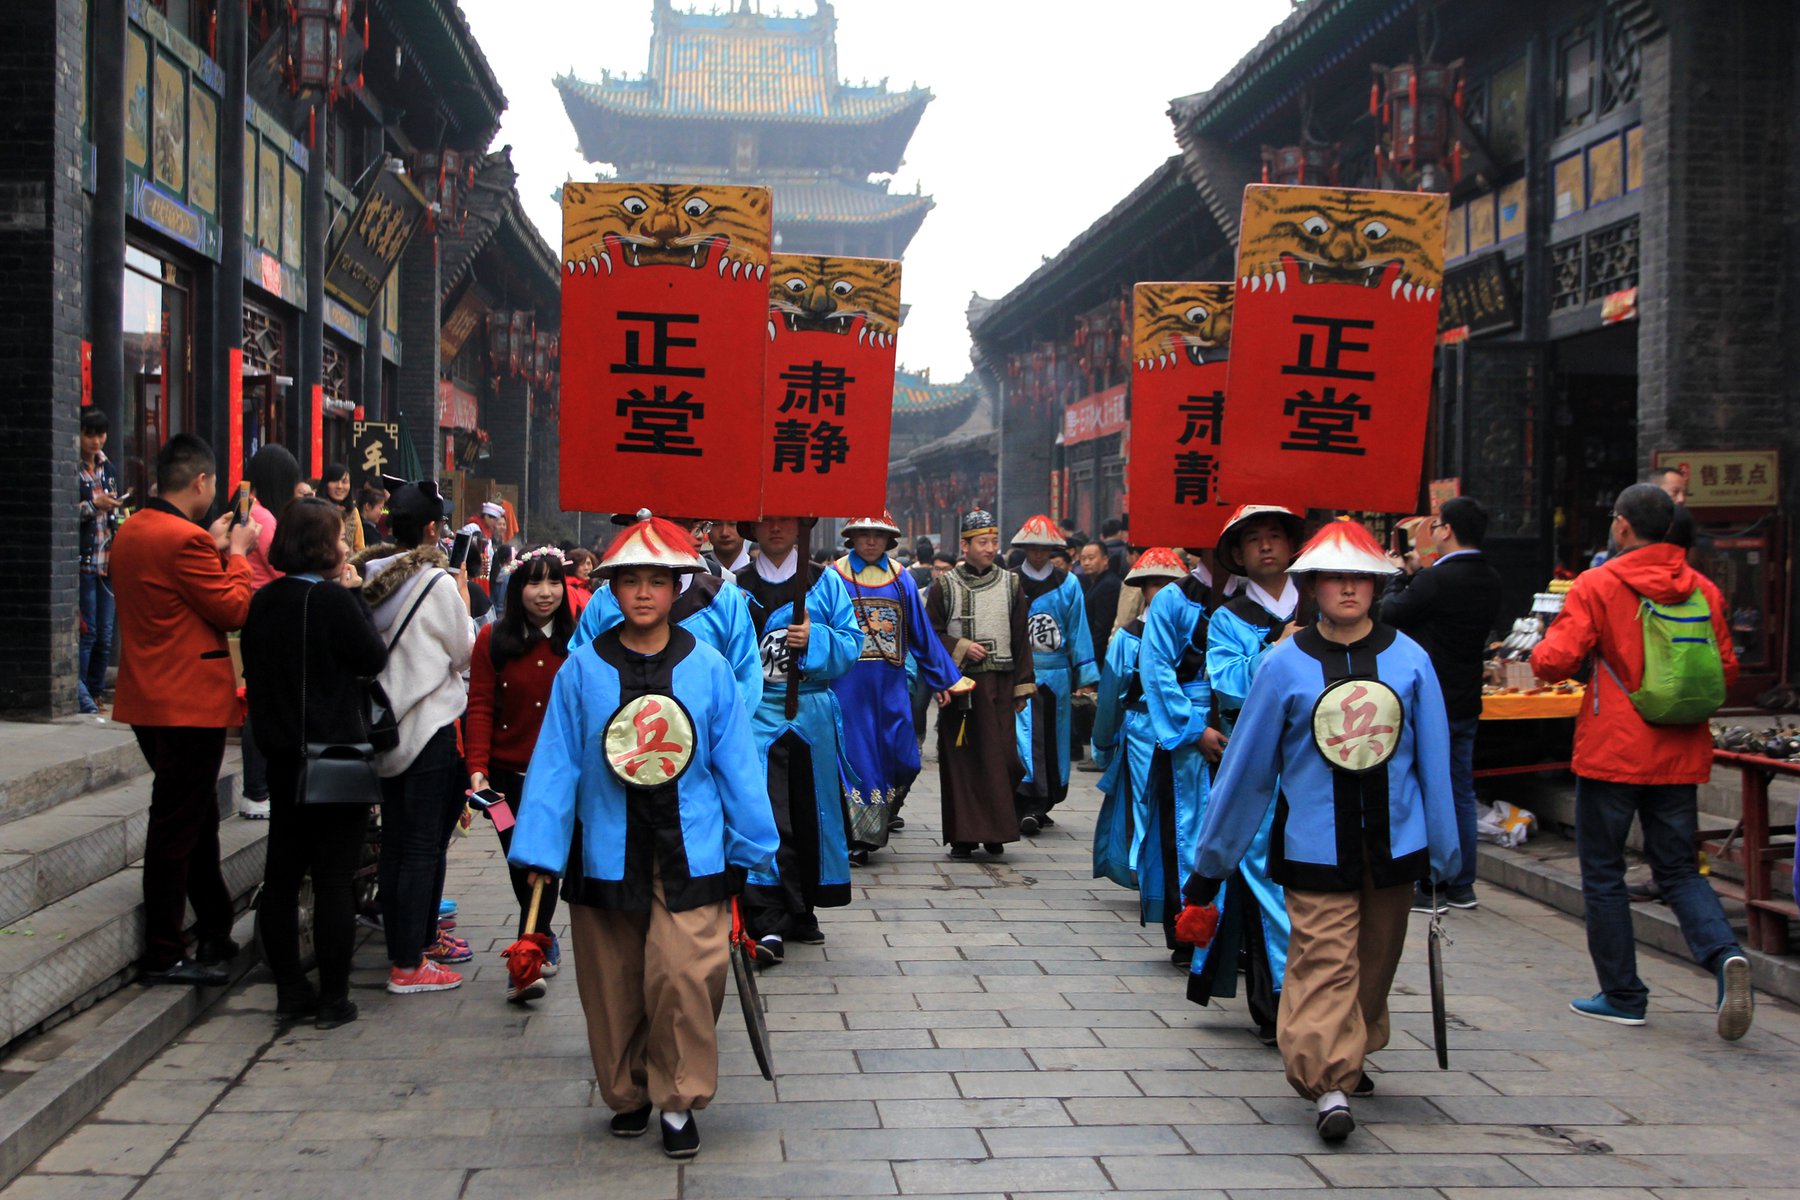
(978, 744)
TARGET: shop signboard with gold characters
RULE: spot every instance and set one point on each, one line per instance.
(1333, 331)
(1180, 338)
(828, 391)
(664, 319)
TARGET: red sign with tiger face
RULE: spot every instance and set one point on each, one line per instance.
(1181, 333)
(664, 305)
(828, 393)
(1333, 333)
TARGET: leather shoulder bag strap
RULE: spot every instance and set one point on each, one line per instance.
(414, 610)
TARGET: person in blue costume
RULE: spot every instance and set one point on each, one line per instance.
(1123, 742)
(645, 794)
(1062, 658)
(1258, 544)
(710, 607)
(1172, 667)
(877, 707)
(1344, 735)
(807, 777)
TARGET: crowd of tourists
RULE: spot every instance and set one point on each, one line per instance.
(697, 728)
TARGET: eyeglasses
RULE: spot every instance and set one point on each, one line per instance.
(700, 528)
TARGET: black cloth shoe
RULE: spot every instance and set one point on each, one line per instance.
(683, 1142)
(962, 851)
(1029, 825)
(187, 974)
(1365, 1086)
(768, 951)
(1182, 957)
(631, 1124)
(294, 1004)
(335, 1013)
(1266, 1034)
(996, 849)
(213, 951)
(1335, 1123)
(896, 824)
(1461, 897)
(1046, 820)
(808, 934)
(859, 858)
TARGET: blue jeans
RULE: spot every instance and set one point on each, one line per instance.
(1603, 813)
(1462, 789)
(96, 638)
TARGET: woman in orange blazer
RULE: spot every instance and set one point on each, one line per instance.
(177, 600)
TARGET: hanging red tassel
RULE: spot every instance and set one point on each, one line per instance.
(365, 27)
(1375, 98)
(1456, 162)
(312, 126)
(1459, 97)
(1265, 174)
(1303, 168)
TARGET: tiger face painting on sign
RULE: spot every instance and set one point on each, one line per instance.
(829, 384)
(665, 299)
(1333, 328)
(1180, 337)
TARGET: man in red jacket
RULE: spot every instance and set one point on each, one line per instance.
(1626, 767)
(178, 598)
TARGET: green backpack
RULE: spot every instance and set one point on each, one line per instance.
(1684, 677)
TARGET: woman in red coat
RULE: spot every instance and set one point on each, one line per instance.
(514, 662)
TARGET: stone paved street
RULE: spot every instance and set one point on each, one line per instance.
(967, 1030)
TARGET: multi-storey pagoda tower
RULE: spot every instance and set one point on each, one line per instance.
(745, 98)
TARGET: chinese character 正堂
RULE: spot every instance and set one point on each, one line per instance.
(1327, 422)
(1336, 346)
(660, 424)
(661, 342)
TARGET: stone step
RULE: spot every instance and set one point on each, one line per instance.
(45, 764)
(53, 854)
(63, 956)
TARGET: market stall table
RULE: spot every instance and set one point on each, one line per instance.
(1523, 706)
(1766, 911)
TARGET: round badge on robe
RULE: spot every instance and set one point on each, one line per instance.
(1356, 724)
(649, 741)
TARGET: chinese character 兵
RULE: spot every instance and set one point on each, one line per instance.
(660, 424)
(1359, 723)
(1326, 422)
(1193, 477)
(653, 742)
(1336, 346)
(661, 342)
(815, 385)
(1202, 417)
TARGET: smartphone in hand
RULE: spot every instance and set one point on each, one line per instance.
(242, 505)
(495, 806)
(459, 550)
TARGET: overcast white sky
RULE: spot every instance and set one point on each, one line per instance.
(1047, 113)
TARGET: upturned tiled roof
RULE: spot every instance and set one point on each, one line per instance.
(916, 396)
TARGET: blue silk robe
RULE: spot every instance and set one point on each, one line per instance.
(1062, 657)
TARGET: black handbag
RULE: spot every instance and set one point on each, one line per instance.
(384, 723)
(333, 772)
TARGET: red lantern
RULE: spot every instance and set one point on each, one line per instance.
(519, 344)
(1314, 163)
(1418, 116)
(440, 176)
(499, 341)
(315, 46)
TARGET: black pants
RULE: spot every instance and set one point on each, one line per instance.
(181, 847)
(511, 784)
(787, 907)
(419, 809)
(326, 841)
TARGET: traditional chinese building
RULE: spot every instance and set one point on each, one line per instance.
(745, 98)
(941, 457)
(259, 222)
(1621, 176)
(1056, 351)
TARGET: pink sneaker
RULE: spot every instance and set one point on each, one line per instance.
(426, 977)
(449, 949)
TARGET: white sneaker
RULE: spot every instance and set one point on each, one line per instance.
(253, 810)
(534, 990)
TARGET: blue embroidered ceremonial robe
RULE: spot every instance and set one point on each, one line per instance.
(1123, 748)
(1252, 911)
(877, 708)
(1062, 658)
(818, 771)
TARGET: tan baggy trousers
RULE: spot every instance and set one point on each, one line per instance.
(651, 986)
(1342, 955)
